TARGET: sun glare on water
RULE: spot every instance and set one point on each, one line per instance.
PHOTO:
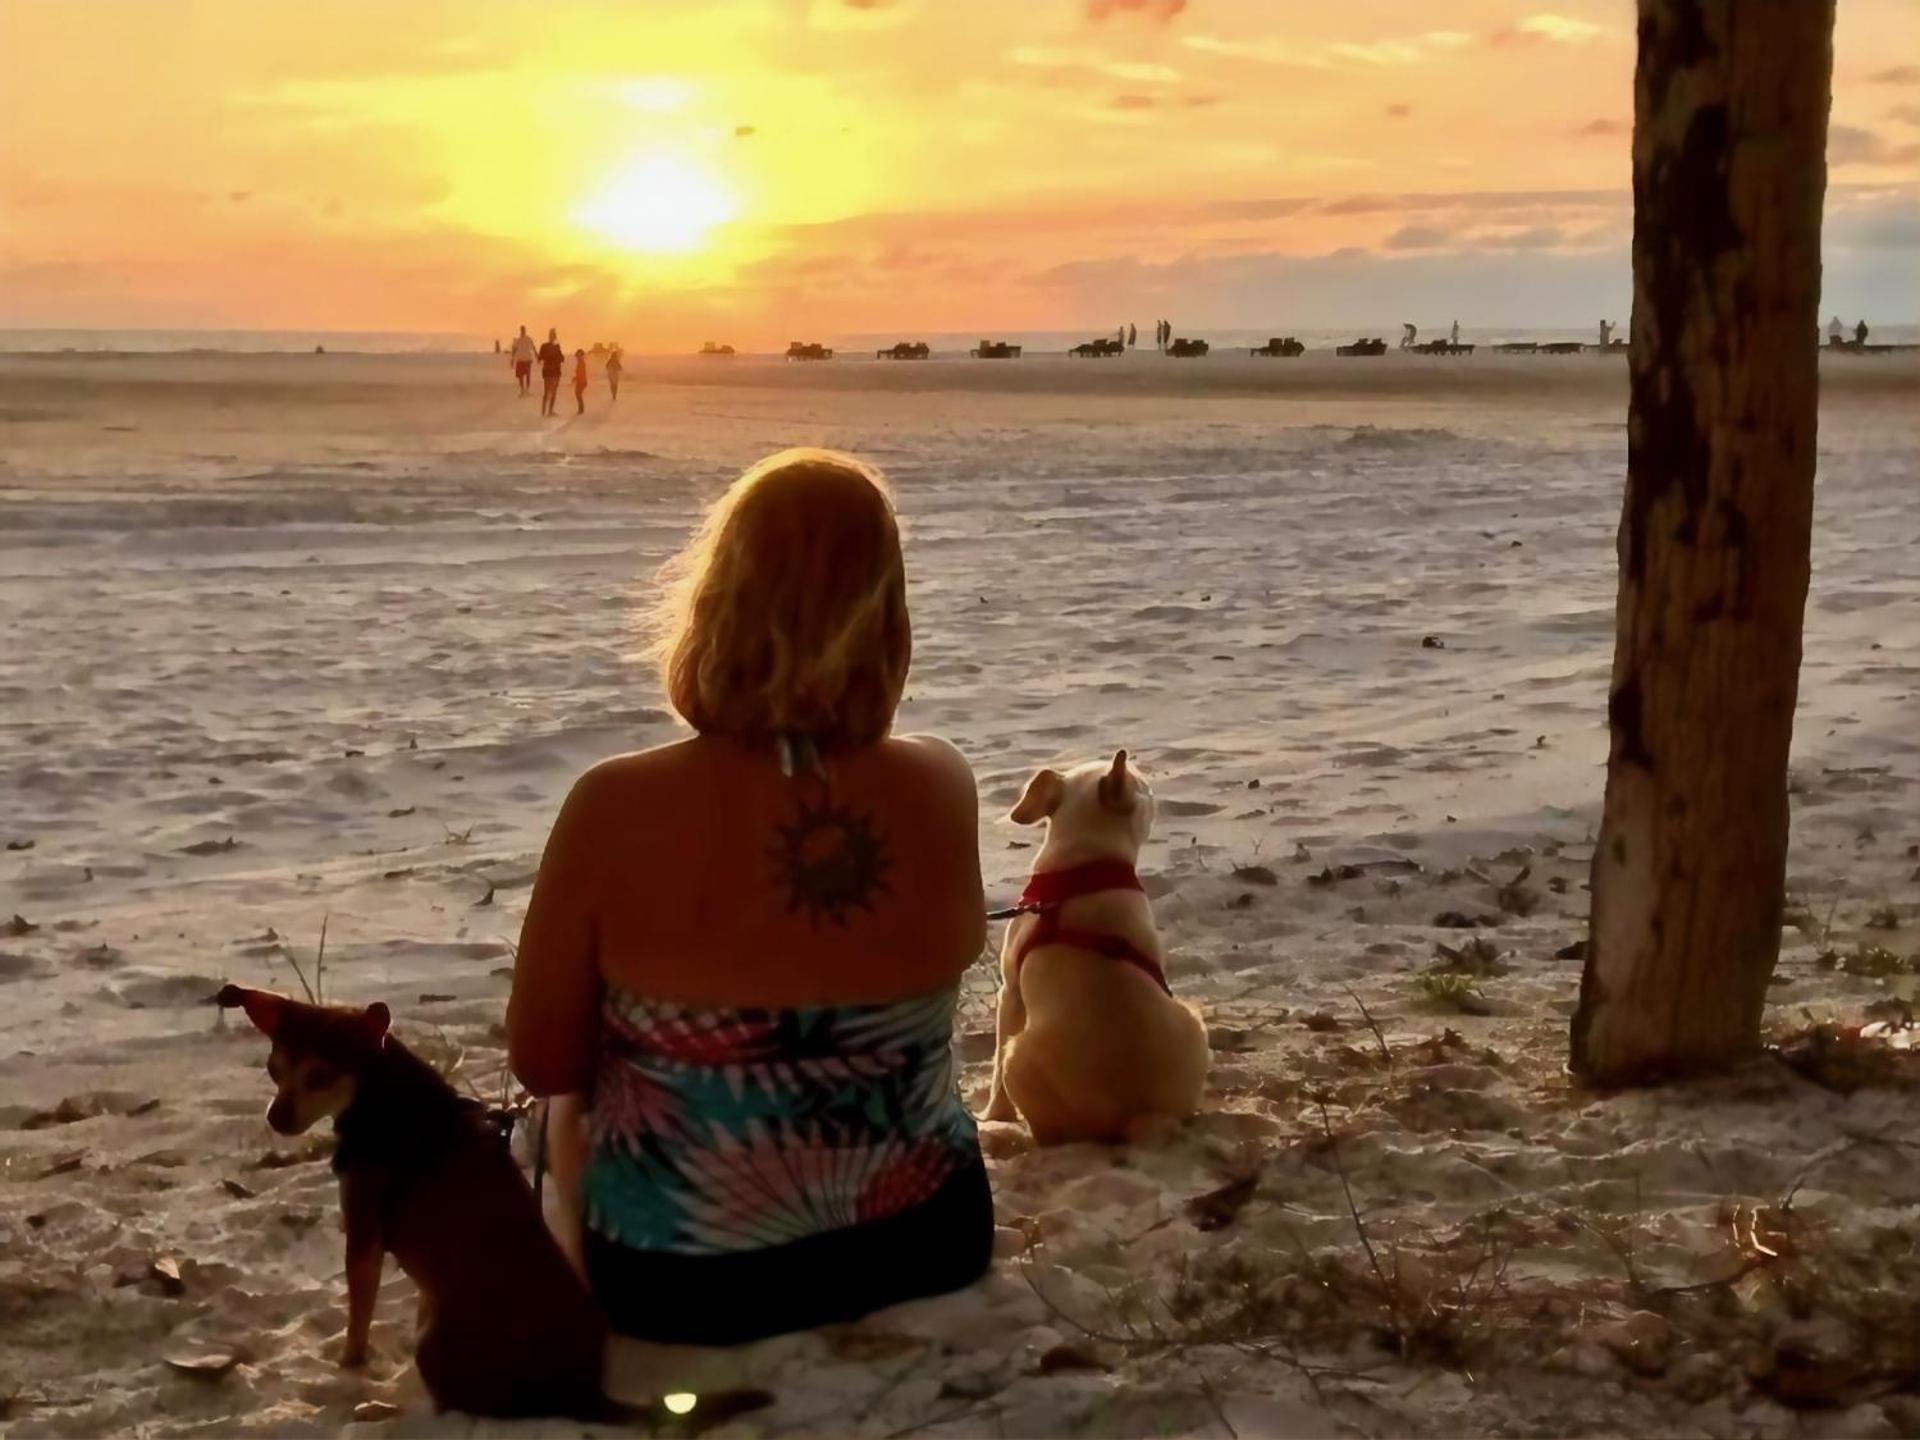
(660, 204)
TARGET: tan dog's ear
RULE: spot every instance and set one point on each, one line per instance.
(1115, 792)
(1041, 799)
(263, 1009)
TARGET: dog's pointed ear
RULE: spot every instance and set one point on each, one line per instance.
(1115, 792)
(1041, 799)
(264, 1009)
(376, 1017)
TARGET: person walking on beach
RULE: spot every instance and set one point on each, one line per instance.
(1860, 334)
(1606, 333)
(613, 372)
(1132, 336)
(580, 382)
(523, 354)
(1456, 335)
(1836, 332)
(553, 360)
(1406, 340)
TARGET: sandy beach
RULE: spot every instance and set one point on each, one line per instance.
(299, 641)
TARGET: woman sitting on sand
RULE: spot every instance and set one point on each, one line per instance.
(744, 948)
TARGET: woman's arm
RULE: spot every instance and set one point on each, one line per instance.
(552, 1014)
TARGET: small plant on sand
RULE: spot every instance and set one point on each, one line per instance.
(1884, 917)
(1454, 991)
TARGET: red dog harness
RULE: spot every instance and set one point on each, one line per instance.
(1048, 890)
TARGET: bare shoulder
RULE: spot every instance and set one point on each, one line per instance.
(618, 779)
(940, 760)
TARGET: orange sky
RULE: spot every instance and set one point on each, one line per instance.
(759, 169)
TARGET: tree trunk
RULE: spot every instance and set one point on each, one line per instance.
(1729, 175)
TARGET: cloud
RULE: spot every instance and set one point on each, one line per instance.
(1896, 75)
(1399, 112)
(1135, 100)
(1551, 29)
(1907, 114)
(1477, 200)
(1132, 71)
(1346, 54)
(1159, 11)
(1604, 128)
(1855, 145)
(1419, 237)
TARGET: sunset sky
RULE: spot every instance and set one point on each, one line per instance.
(759, 169)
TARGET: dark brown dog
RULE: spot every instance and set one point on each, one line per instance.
(505, 1327)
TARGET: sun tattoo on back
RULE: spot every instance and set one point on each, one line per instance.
(832, 859)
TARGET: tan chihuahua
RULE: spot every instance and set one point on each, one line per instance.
(505, 1326)
(1091, 1044)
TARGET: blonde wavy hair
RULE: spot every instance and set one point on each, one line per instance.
(787, 613)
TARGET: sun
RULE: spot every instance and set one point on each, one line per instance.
(659, 204)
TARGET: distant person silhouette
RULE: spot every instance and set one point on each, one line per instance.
(1456, 332)
(1860, 333)
(553, 360)
(1836, 332)
(580, 381)
(614, 368)
(1132, 336)
(1406, 340)
(1606, 333)
(523, 356)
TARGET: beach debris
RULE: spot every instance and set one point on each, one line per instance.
(20, 844)
(486, 899)
(65, 1165)
(207, 1365)
(1432, 642)
(1846, 1058)
(237, 1190)
(1255, 875)
(165, 1273)
(210, 847)
(1478, 958)
(1871, 962)
(1067, 1356)
(369, 1412)
(1321, 1022)
(431, 997)
(401, 813)
(458, 837)
(1578, 950)
(19, 925)
(1884, 917)
(70, 1111)
(352, 754)
(399, 874)
(1460, 920)
(1218, 1208)
(1242, 901)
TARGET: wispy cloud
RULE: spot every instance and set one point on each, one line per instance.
(1274, 50)
(1159, 11)
(1137, 72)
(1550, 29)
(1896, 75)
(1856, 145)
(1598, 129)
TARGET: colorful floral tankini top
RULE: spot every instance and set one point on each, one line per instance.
(720, 1130)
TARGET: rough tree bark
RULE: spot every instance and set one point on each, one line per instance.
(1729, 176)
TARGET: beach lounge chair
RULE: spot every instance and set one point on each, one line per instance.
(904, 350)
(1185, 349)
(1280, 346)
(995, 350)
(1362, 347)
(808, 350)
